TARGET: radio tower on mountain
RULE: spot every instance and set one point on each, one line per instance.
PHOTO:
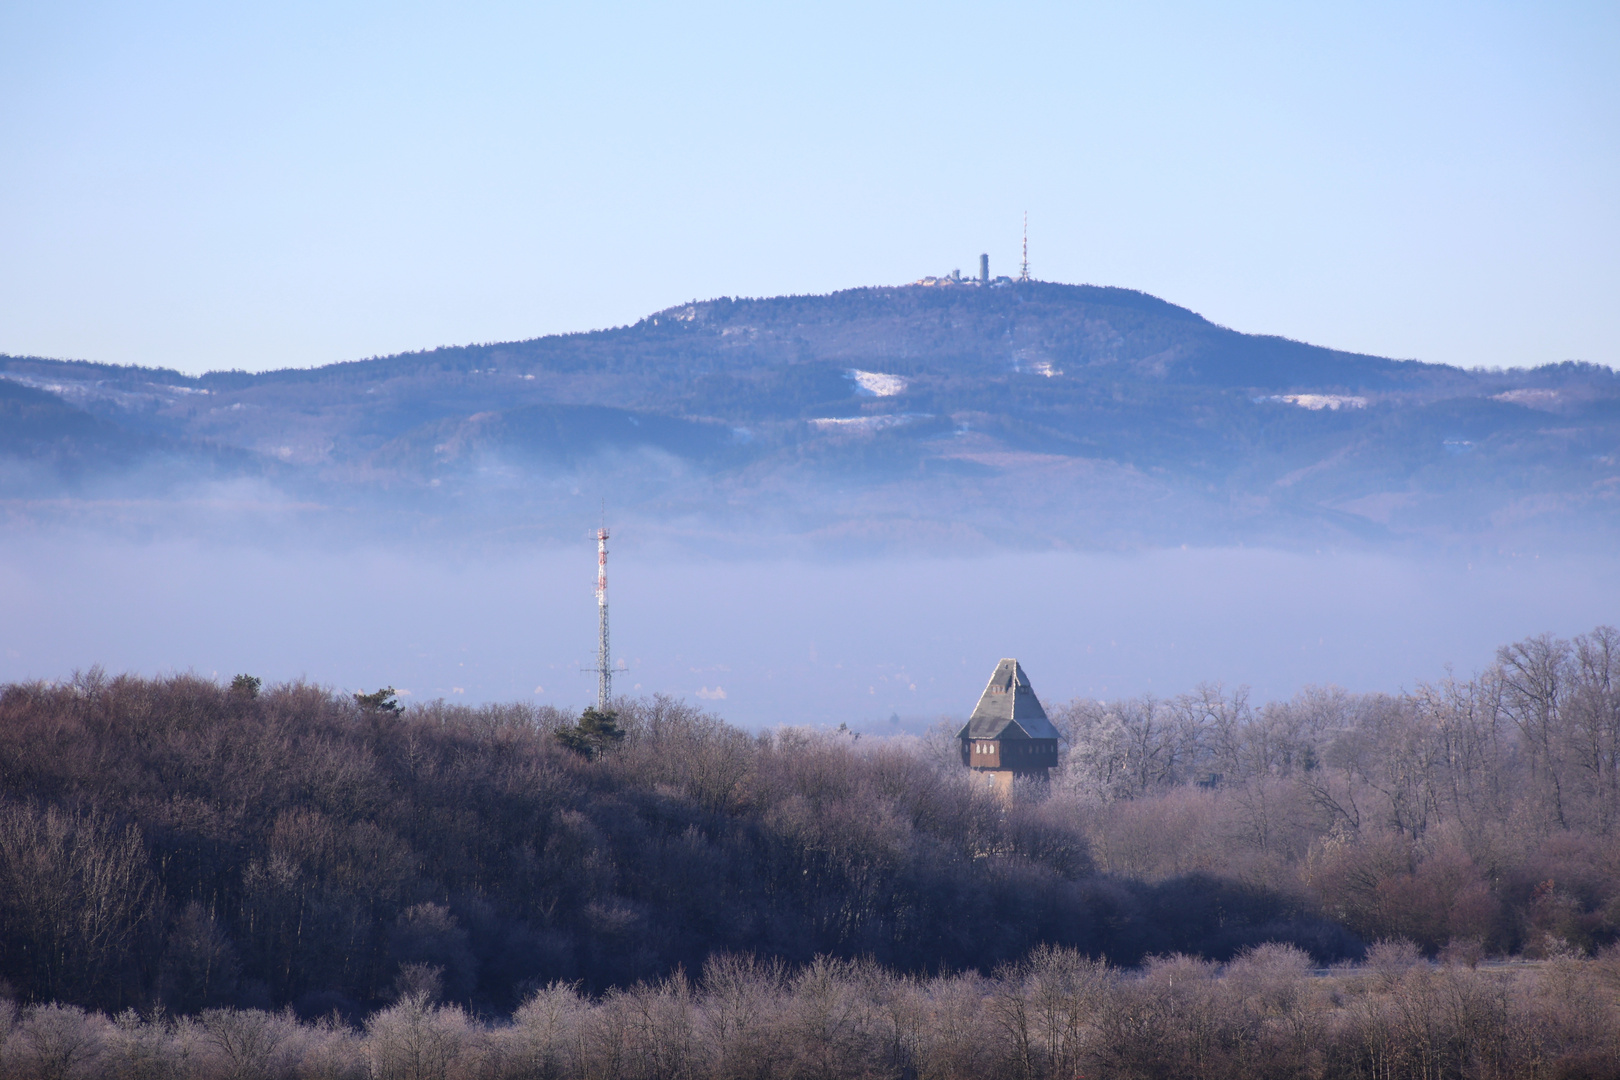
(604, 662)
(1023, 274)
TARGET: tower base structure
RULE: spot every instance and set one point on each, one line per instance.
(1009, 734)
(1001, 781)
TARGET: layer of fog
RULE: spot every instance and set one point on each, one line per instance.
(767, 642)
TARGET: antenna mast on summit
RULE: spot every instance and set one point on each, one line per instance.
(1023, 274)
(604, 663)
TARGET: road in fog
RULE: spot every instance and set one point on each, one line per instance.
(765, 642)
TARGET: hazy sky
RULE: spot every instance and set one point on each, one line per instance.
(259, 185)
(765, 642)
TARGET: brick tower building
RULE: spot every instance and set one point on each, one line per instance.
(1009, 735)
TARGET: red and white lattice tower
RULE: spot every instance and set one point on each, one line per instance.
(604, 661)
(1023, 274)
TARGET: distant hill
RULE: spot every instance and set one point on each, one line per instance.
(1033, 414)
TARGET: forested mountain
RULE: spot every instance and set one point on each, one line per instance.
(954, 416)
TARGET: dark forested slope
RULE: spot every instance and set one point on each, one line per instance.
(173, 840)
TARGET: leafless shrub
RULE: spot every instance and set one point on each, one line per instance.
(330, 1050)
(1275, 985)
(245, 1044)
(1046, 1008)
(1391, 959)
(833, 1026)
(141, 1049)
(56, 1042)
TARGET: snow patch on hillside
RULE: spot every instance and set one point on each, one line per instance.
(1317, 402)
(876, 383)
(864, 423)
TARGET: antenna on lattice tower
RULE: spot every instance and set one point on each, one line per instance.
(604, 656)
(1023, 274)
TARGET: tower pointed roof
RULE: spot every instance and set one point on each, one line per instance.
(1008, 708)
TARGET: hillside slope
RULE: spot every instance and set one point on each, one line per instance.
(174, 840)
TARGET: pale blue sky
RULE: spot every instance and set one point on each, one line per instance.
(212, 186)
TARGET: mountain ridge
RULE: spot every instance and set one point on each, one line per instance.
(923, 397)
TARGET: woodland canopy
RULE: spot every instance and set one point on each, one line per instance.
(199, 846)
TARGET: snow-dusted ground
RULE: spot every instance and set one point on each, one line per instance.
(877, 383)
(864, 423)
(1315, 402)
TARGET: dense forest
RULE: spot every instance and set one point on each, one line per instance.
(201, 845)
(222, 851)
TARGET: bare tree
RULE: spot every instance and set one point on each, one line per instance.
(742, 998)
(78, 890)
(1593, 706)
(544, 1041)
(58, 1041)
(244, 1042)
(1534, 675)
(416, 1040)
